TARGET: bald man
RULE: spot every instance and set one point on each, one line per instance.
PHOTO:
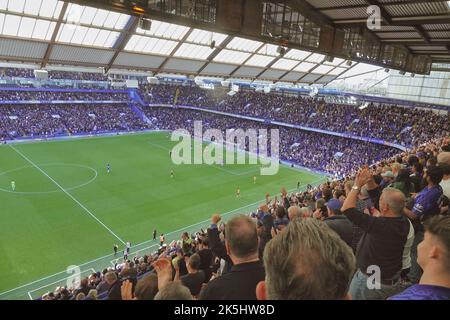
(380, 250)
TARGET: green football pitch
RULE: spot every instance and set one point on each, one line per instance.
(67, 210)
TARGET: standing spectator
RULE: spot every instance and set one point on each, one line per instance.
(406, 261)
(241, 241)
(403, 183)
(294, 212)
(416, 175)
(434, 259)
(206, 259)
(426, 205)
(382, 243)
(114, 283)
(338, 222)
(195, 277)
(388, 178)
(444, 163)
(293, 258)
(265, 224)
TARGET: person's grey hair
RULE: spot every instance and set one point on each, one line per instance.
(294, 212)
(110, 277)
(174, 291)
(242, 236)
(395, 199)
(444, 158)
(308, 261)
(305, 212)
(92, 294)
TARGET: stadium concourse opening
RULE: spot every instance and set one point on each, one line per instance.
(349, 100)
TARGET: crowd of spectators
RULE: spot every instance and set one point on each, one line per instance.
(22, 121)
(335, 155)
(405, 126)
(16, 73)
(385, 215)
(187, 95)
(52, 74)
(45, 95)
(68, 75)
(352, 238)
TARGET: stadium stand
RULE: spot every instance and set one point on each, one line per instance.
(396, 124)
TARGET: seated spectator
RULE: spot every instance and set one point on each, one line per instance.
(434, 259)
(293, 258)
(109, 278)
(114, 283)
(83, 288)
(241, 242)
(92, 295)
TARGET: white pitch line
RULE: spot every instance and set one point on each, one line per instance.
(114, 261)
(67, 193)
(50, 284)
(172, 232)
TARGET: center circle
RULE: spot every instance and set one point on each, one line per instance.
(68, 175)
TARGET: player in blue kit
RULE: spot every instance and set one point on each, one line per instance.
(108, 168)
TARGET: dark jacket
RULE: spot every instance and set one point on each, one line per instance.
(114, 292)
(342, 226)
(382, 244)
(218, 248)
(238, 284)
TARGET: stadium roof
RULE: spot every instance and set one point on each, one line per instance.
(423, 26)
(56, 32)
(61, 33)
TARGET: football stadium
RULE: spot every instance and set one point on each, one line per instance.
(224, 150)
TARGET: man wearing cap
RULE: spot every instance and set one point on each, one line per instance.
(388, 178)
(338, 222)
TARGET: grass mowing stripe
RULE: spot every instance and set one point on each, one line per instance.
(67, 193)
